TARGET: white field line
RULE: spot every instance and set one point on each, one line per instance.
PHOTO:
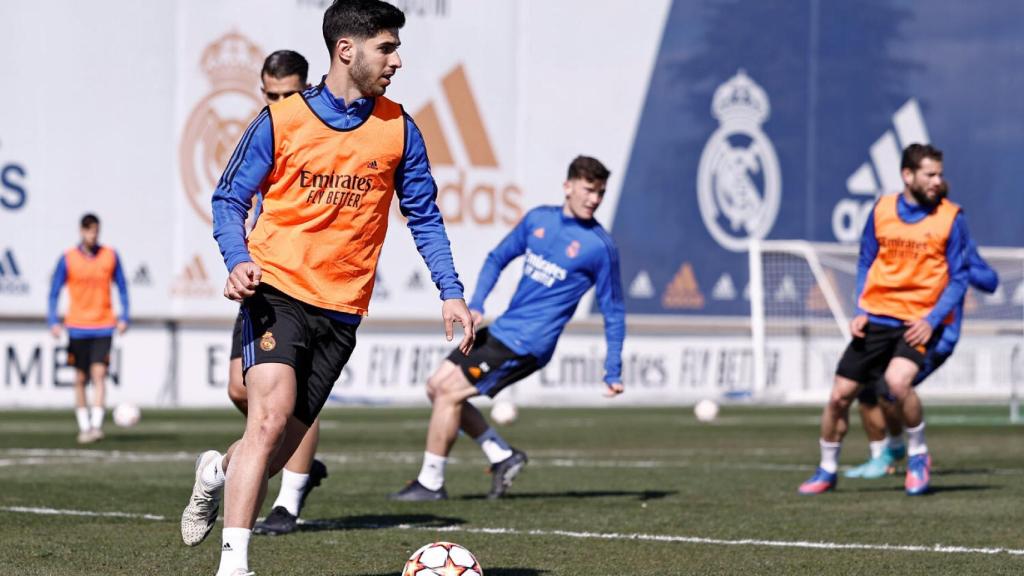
(60, 457)
(634, 537)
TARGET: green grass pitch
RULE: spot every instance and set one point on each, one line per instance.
(608, 491)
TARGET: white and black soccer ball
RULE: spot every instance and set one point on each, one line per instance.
(706, 410)
(127, 415)
(504, 412)
(442, 559)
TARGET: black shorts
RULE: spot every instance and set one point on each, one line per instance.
(866, 359)
(277, 328)
(491, 366)
(236, 337)
(932, 361)
(84, 352)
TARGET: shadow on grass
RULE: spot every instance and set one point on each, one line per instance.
(934, 489)
(487, 571)
(642, 495)
(379, 522)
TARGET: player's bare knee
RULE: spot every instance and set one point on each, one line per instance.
(270, 428)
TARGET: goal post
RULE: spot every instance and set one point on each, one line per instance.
(802, 297)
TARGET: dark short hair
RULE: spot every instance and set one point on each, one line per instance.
(285, 63)
(588, 168)
(915, 153)
(90, 220)
(359, 19)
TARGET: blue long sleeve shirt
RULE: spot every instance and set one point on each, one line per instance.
(956, 245)
(253, 160)
(60, 277)
(564, 257)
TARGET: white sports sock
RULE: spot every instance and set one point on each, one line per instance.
(494, 446)
(878, 447)
(432, 472)
(234, 550)
(829, 455)
(82, 416)
(915, 440)
(213, 475)
(96, 414)
(290, 496)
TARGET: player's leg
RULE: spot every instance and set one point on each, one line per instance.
(872, 417)
(895, 448)
(272, 393)
(98, 374)
(236, 383)
(81, 408)
(300, 475)
(448, 390)
(900, 377)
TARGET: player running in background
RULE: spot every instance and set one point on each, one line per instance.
(882, 424)
(88, 269)
(567, 252)
(911, 275)
(284, 73)
(329, 163)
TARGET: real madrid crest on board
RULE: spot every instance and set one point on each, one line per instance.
(738, 181)
(232, 63)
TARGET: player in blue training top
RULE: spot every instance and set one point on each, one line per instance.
(566, 252)
(882, 424)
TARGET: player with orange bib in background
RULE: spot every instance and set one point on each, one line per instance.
(911, 275)
(328, 161)
(88, 270)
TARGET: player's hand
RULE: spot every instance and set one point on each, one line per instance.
(918, 333)
(242, 281)
(614, 389)
(455, 310)
(122, 327)
(478, 318)
(55, 330)
(857, 325)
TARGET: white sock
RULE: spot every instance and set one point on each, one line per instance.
(494, 446)
(915, 440)
(829, 455)
(96, 414)
(213, 475)
(878, 447)
(234, 551)
(432, 472)
(290, 496)
(82, 416)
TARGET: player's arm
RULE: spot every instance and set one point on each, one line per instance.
(866, 257)
(122, 292)
(250, 164)
(417, 199)
(512, 246)
(608, 285)
(60, 276)
(979, 273)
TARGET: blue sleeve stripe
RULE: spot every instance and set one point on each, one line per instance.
(236, 159)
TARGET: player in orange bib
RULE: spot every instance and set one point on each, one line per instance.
(911, 275)
(328, 161)
(88, 270)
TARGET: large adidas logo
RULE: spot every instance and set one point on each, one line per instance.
(472, 188)
(881, 174)
(193, 281)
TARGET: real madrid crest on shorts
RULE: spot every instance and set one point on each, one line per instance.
(738, 181)
(267, 342)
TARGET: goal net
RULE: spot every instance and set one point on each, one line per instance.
(803, 297)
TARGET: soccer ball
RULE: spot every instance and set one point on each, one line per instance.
(442, 559)
(504, 412)
(706, 410)
(126, 415)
